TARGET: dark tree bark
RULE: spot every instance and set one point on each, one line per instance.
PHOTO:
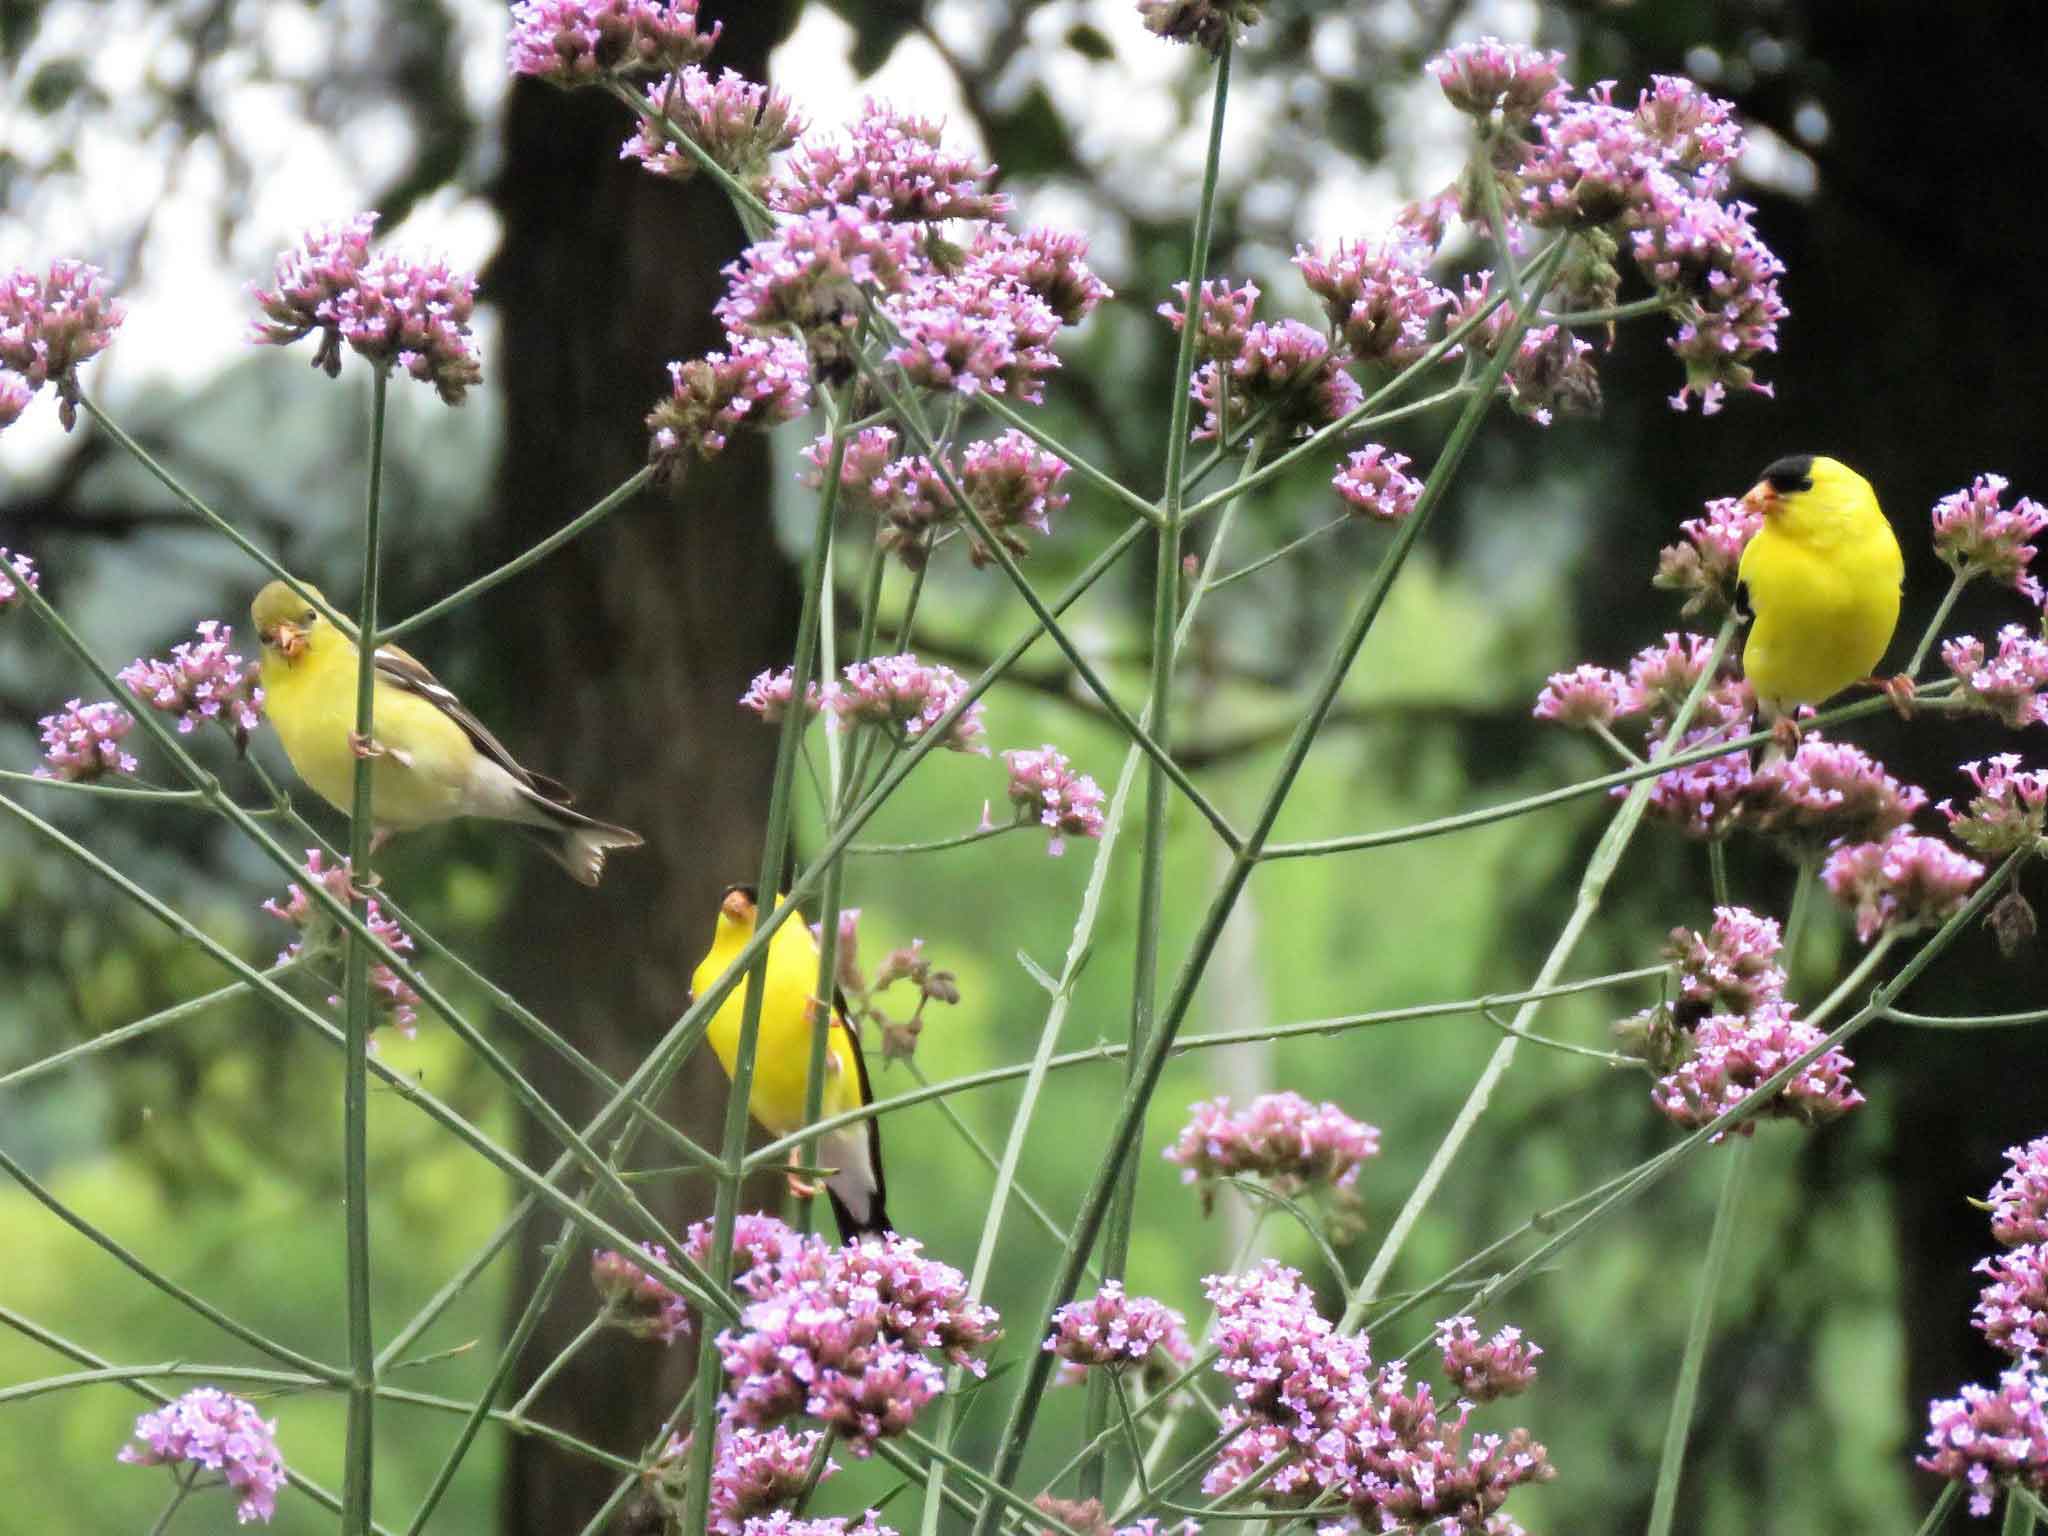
(633, 644)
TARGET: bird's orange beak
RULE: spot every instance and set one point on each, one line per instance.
(737, 907)
(1761, 498)
(287, 639)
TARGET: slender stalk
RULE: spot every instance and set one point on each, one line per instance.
(1943, 1507)
(1804, 884)
(2021, 1511)
(1965, 1021)
(935, 845)
(358, 1462)
(184, 1484)
(774, 850)
(1634, 309)
(177, 1013)
(1301, 542)
(581, 523)
(554, 1367)
(1592, 888)
(1717, 869)
(1941, 613)
(1665, 1501)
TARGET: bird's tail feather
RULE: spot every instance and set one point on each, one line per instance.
(856, 1191)
(577, 842)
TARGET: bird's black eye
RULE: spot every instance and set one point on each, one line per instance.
(311, 615)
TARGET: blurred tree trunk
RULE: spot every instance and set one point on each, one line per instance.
(635, 641)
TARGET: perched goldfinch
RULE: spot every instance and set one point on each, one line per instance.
(433, 759)
(1821, 579)
(782, 1058)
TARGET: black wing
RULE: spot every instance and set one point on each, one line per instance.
(403, 671)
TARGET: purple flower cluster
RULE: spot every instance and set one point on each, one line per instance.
(1904, 882)
(2011, 684)
(83, 741)
(1486, 1369)
(1045, 788)
(201, 680)
(1284, 368)
(757, 383)
(49, 326)
(908, 963)
(1709, 260)
(1049, 263)
(1008, 481)
(389, 994)
(1211, 23)
(2009, 810)
(1281, 1137)
(903, 694)
(2012, 1309)
(754, 1474)
(1377, 295)
(812, 272)
(1990, 1436)
(783, 1523)
(1586, 696)
(1826, 792)
(1704, 566)
(892, 166)
(770, 693)
(1978, 536)
(388, 309)
(972, 331)
(843, 1334)
(738, 124)
(1373, 483)
(634, 1300)
(16, 571)
(1491, 76)
(208, 1430)
(1357, 1430)
(580, 42)
(1732, 967)
(1115, 1330)
(2019, 1200)
(1223, 317)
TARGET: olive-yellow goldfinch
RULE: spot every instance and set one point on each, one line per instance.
(432, 759)
(782, 1057)
(1821, 578)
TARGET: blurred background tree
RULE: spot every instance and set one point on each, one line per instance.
(1896, 212)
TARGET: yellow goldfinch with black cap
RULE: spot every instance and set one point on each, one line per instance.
(782, 1057)
(1821, 578)
(432, 759)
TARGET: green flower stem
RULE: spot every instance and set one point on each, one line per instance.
(554, 1367)
(184, 1487)
(935, 845)
(1634, 309)
(30, 1329)
(177, 1013)
(178, 1293)
(1665, 1501)
(600, 1521)
(1592, 888)
(1482, 171)
(1191, 301)
(1124, 1134)
(1112, 1051)
(1284, 550)
(220, 525)
(1080, 467)
(774, 849)
(814, 1474)
(190, 797)
(1605, 1058)
(403, 1086)
(1955, 1021)
(1358, 842)
(1621, 748)
(459, 1282)
(1944, 1506)
(995, 1492)
(581, 523)
(1717, 870)
(754, 214)
(2023, 1509)
(1083, 668)
(358, 1463)
(1805, 882)
(1941, 612)
(1320, 441)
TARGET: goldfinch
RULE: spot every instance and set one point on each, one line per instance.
(433, 759)
(1821, 578)
(782, 1057)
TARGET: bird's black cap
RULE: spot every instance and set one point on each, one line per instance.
(1794, 472)
(748, 891)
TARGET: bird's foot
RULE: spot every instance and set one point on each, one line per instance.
(804, 1189)
(816, 1011)
(365, 746)
(379, 836)
(1785, 735)
(1900, 689)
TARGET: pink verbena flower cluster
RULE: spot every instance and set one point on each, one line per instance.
(1115, 1330)
(201, 680)
(1210, 23)
(395, 1002)
(581, 42)
(891, 165)
(1377, 295)
(740, 126)
(16, 572)
(1284, 369)
(755, 1475)
(1902, 883)
(82, 742)
(843, 1334)
(2011, 683)
(757, 383)
(1486, 1369)
(1992, 1437)
(1280, 1137)
(907, 963)
(1652, 178)
(1008, 482)
(1044, 788)
(782, 1523)
(1704, 566)
(900, 694)
(1731, 1027)
(386, 307)
(208, 1430)
(2009, 810)
(1976, 535)
(1373, 483)
(50, 325)
(1355, 1429)
(635, 1300)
